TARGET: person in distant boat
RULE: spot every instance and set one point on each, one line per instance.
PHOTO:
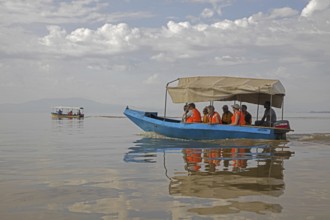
(214, 117)
(236, 115)
(70, 113)
(195, 117)
(205, 115)
(59, 112)
(246, 117)
(226, 116)
(269, 116)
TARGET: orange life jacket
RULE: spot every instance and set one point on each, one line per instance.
(214, 117)
(242, 118)
(235, 115)
(195, 117)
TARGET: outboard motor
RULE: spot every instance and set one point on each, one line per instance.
(283, 124)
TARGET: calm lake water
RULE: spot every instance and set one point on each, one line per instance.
(107, 168)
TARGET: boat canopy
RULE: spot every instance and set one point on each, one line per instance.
(67, 107)
(224, 88)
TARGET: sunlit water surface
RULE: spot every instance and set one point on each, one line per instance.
(106, 168)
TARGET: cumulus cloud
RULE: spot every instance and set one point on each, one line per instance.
(315, 5)
(278, 42)
(108, 39)
(183, 40)
(176, 28)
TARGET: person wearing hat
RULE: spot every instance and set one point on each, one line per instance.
(236, 115)
(226, 115)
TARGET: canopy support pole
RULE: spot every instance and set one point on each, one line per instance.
(282, 107)
(166, 97)
(258, 104)
(270, 114)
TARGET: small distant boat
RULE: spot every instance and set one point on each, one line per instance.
(210, 89)
(67, 112)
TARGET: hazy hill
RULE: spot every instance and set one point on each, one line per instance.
(44, 106)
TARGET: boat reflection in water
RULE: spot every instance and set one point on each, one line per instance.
(238, 174)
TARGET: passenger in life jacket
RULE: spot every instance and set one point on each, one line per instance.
(246, 118)
(186, 113)
(235, 119)
(214, 117)
(205, 115)
(226, 116)
(195, 117)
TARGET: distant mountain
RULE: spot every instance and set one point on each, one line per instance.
(319, 111)
(45, 105)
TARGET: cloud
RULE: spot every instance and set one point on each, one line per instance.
(63, 12)
(153, 79)
(217, 7)
(177, 28)
(283, 13)
(21, 11)
(108, 39)
(315, 5)
(207, 13)
(226, 60)
(183, 40)
(105, 57)
(162, 57)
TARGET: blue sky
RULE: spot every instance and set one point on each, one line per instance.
(119, 51)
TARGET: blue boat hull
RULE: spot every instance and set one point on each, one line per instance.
(150, 122)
